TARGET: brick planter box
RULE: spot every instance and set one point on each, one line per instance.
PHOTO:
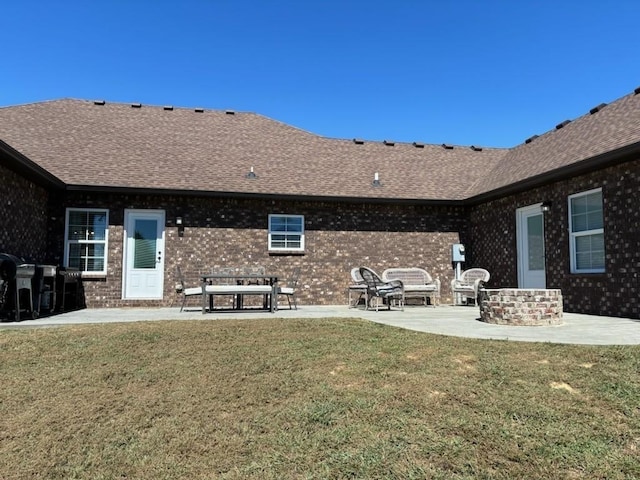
(521, 306)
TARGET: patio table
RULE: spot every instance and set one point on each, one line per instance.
(240, 289)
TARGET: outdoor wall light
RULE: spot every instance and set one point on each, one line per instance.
(376, 180)
(180, 226)
(545, 207)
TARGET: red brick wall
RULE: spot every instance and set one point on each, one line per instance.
(615, 292)
(23, 216)
(232, 232)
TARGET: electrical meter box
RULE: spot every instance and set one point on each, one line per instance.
(457, 252)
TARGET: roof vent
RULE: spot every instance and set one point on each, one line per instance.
(531, 139)
(136, 105)
(358, 141)
(168, 107)
(475, 149)
(230, 112)
(251, 175)
(597, 109)
(389, 143)
(563, 124)
(418, 145)
(199, 110)
(98, 102)
(447, 147)
(637, 91)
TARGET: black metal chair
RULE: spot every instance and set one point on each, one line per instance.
(379, 289)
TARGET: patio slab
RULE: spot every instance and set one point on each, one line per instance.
(460, 321)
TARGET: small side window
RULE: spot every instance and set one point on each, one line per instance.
(586, 232)
(286, 233)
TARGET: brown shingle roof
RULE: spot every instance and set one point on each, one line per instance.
(152, 147)
(607, 129)
(120, 145)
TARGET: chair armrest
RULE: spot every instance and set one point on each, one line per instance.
(477, 285)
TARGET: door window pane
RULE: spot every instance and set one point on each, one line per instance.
(535, 241)
(145, 238)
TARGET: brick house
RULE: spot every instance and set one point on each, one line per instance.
(204, 189)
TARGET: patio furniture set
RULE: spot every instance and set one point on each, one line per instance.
(236, 284)
(395, 285)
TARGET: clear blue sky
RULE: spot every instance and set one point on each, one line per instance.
(489, 73)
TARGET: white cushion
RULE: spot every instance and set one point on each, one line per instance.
(193, 291)
(238, 289)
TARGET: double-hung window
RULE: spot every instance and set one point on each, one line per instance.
(586, 232)
(286, 233)
(86, 237)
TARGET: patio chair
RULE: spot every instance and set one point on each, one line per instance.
(187, 292)
(255, 270)
(290, 289)
(469, 284)
(379, 289)
(358, 287)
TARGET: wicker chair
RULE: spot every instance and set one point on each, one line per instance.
(469, 283)
(379, 289)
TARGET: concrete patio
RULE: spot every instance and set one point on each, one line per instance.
(461, 321)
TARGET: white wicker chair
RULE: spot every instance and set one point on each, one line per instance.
(469, 283)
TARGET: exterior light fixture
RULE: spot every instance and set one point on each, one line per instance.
(545, 207)
(376, 180)
(180, 226)
(252, 175)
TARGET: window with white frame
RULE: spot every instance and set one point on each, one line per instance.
(286, 232)
(86, 237)
(586, 231)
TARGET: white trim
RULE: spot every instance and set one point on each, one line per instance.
(521, 243)
(286, 249)
(573, 236)
(104, 242)
(153, 214)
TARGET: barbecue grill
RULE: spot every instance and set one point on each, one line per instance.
(22, 286)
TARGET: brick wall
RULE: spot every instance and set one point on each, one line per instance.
(615, 292)
(23, 216)
(231, 232)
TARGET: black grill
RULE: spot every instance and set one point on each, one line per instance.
(25, 288)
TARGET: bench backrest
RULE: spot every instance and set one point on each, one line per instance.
(408, 276)
(468, 277)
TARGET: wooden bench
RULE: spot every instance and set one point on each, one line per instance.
(417, 283)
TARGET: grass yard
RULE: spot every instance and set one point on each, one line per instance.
(310, 399)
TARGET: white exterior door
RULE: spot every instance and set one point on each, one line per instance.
(143, 269)
(530, 238)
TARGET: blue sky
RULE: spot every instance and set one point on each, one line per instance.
(488, 73)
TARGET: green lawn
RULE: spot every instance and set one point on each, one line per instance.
(310, 399)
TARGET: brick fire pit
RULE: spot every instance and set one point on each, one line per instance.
(521, 306)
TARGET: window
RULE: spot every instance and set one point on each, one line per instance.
(286, 233)
(586, 229)
(86, 236)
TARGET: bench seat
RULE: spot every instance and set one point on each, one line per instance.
(417, 283)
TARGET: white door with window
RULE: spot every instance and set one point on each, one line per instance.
(143, 268)
(530, 239)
